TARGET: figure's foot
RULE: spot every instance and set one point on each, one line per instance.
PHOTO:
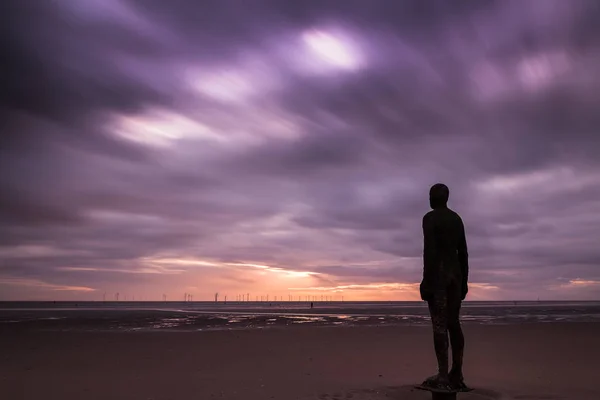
(438, 382)
(457, 381)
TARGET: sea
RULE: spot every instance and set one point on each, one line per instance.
(208, 316)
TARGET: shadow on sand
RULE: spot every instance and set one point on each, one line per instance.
(406, 392)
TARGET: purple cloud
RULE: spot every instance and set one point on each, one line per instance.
(147, 144)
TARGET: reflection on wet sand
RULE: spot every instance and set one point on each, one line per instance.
(204, 316)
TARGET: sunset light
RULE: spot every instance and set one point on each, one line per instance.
(251, 200)
(279, 150)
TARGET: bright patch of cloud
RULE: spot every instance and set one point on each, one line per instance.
(531, 73)
(529, 180)
(278, 270)
(34, 283)
(249, 265)
(331, 49)
(369, 286)
(575, 283)
(227, 86)
(159, 127)
(248, 77)
(483, 286)
(537, 72)
(322, 51)
(180, 261)
(542, 181)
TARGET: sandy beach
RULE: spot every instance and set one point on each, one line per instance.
(535, 361)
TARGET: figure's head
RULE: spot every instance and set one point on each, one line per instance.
(438, 195)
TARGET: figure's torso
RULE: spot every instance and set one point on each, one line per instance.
(448, 231)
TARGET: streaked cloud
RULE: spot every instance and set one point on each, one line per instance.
(582, 282)
(34, 283)
(149, 147)
(370, 286)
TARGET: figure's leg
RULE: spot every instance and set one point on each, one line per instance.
(457, 339)
(439, 318)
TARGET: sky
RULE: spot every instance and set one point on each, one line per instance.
(286, 148)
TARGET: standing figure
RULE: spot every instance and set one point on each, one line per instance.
(444, 285)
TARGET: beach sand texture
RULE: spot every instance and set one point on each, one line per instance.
(533, 361)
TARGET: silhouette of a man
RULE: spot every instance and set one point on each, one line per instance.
(444, 285)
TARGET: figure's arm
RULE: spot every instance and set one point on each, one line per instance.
(430, 250)
(463, 257)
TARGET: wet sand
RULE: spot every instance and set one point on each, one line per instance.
(533, 361)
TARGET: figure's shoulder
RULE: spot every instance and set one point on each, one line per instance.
(452, 212)
(455, 215)
(430, 217)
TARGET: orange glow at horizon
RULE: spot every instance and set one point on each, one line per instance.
(153, 277)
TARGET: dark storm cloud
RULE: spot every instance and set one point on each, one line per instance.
(64, 68)
(317, 167)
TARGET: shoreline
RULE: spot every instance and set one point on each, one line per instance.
(234, 317)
